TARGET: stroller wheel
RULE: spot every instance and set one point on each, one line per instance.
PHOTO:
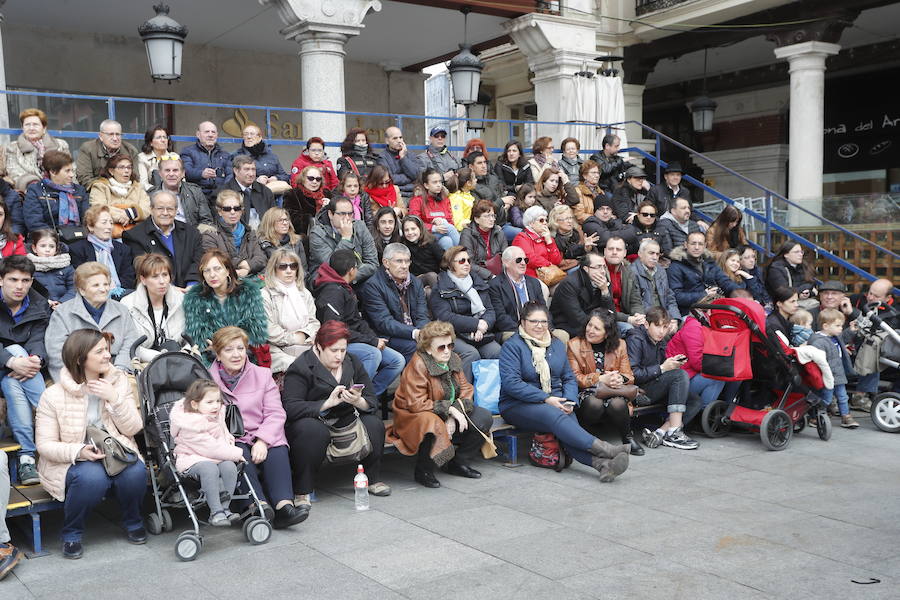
(776, 430)
(885, 412)
(154, 524)
(166, 520)
(823, 424)
(713, 422)
(187, 546)
(800, 425)
(257, 530)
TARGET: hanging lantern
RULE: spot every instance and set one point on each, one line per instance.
(164, 38)
(465, 68)
(702, 110)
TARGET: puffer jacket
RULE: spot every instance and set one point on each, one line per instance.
(690, 282)
(540, 252)
(267, 162)
(138, 305)
(581, 359)
(200, 437)
(512, 180)
(330, 179)
(279, 337)
(61, 424)
(449, 304)
(39, 197)
(426, 258)
(21, 159)
(688, 341)
(257, 397)
(645, 356)
(626, 200)
(635, 233)
(428, 209)
(470, 238)
(677, 232)
(519, 381)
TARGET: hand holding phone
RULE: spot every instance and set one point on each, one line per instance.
(357, 387)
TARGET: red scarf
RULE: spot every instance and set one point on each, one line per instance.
(383, 196)
(615, 285)
(318, 196)
(486, 236)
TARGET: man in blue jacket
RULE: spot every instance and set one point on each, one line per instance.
(394, 301)
(205, 162)
(23, 320)
(403, 167)
(693, 274)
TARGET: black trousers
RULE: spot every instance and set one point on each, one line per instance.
(594, 411)
(309, 439)
(467, 442)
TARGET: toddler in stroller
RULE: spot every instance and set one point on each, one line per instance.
(204, 449)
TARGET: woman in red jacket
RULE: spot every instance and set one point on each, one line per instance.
(433, 207)
(10, 242)
(537, 242)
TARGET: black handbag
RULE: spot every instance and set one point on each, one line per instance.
(233, 420)
(67, 233)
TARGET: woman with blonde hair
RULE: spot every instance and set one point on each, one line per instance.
(276, 231)
(290, 309)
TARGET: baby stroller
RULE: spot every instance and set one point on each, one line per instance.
(879, 331)
(161, 383)
(773, 397)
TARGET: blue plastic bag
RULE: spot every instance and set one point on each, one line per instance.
(487, 384)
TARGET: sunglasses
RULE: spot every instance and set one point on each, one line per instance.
(648, 214)
(541, 220)
(313, 178)
(522, 259)
(286, 266)
(463, 261)
(231, 208)
(445, 347)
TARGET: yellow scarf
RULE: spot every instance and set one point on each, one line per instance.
(539, 356)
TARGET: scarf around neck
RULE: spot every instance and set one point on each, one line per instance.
(466, 286)
(237, 234)
(103, 250)
(294, 316)
(119, 189)
(68, 206)
(539, 356)
(383, 196)
(257, 149)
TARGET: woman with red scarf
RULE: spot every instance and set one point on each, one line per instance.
(383, 192)
(307, 199)
(315, 156)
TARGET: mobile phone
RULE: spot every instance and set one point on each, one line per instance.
(357, 387)
(569, 403)
(625, 378)
(681, 358)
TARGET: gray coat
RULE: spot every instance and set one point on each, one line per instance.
(838, 362)
(471, 239)
(72, 315)
(324, 240)
(677, 232)
(442, 160)
(196, 208)
(661, 282)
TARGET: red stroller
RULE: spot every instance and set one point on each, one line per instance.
(773, 397)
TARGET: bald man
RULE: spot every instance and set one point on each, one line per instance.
(867, 387)
(401, 165)
(205, 162)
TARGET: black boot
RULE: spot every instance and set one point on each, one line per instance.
(424, 472)
(636, 448)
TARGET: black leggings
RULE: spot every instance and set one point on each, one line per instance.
(594, 411)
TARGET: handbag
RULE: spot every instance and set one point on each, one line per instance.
(118, 228)
(550, 275)
(67, 233)
(488, 448)
(116, 456)
(603, 391)
(234, 422)
(349, 443)
(494, 264)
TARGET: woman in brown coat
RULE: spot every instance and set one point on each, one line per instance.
(600, 362)
(434, 409)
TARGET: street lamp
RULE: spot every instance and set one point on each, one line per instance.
(164, 38)
(465, 68)
(703, 108)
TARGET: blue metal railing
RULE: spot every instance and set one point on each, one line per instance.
(766, 219)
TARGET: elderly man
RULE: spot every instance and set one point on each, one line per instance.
(612, 166)
(623, 286)
(833, 294)
(653, 282)
(403, 168)
(394, 301)
(583, 290)
(257, 198)
(193, 208)
(334, 228)
(867, 386)
(437, 155)
(677, 222)
(510, 290)
(205, 162)
(693, 274)
(663, 195)
(94, 154)
(178, 241)
(268, 168)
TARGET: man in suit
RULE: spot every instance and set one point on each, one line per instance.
(257, 197)
(162, 234)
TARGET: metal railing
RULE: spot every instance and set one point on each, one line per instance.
(766, 218)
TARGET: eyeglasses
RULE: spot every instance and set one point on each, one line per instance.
(541, 219)
(124, 167)
(230, 208)
(286, 266)
(283, 220)
(215, 269)
(648, 214)
(522, 259)
(114, 134)
(313, 178)
(463, 261)
(445, 347)
(538, 322)
(344, 213)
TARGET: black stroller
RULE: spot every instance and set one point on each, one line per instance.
(161, 383)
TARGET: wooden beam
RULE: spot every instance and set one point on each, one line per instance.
(477, 48)
(496, 8)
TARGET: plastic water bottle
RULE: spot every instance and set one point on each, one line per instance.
(361, 487)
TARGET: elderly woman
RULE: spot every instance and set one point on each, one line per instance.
(328, 384)
(119, 189)
(542, 157)
(290, 309)
(424, 251)
(100, 247)
(434, 410)
(646, 225)
(484, 240)
(90, 392)
(570, 162)
(385, 229)
(539, 392)
(461, 298)
(157, 143)
(537, 242)
(55, 201)
(25, 156)
(221, 299)
(276, 232)
(156, 307)
(91, 308)
(234, 238)
(314, 155)
(588, 188)
(570, 240)
(252, 389)
(599, 359)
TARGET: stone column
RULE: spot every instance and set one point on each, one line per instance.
(322, 28)
(807, 124)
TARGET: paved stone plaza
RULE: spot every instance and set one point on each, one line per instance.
(729, 521)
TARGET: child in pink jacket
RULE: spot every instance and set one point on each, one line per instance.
(204, 449)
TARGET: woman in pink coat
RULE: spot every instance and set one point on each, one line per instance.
(263, 444)
(89, 392)
(204, 448)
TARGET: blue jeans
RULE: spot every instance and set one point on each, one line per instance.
(510, 232)
(868, 383)
(623, 326)
(840, 391)
(382, 366)
(708, 390)
(449, 239)
(86, 485)
(21, 399)
(542, 417)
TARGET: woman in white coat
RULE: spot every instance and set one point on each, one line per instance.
(290, 309)
(155, 307)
